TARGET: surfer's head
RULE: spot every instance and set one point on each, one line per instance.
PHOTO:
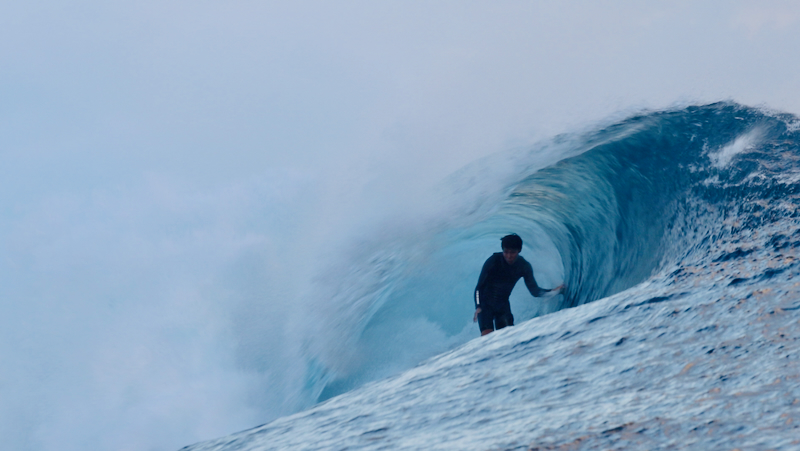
(512, 245)
(512, 241)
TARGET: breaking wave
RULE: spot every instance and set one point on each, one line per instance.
(645, 199)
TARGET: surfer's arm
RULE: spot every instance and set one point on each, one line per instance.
(481, 281)
(534, 287)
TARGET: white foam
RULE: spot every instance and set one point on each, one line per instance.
(741, 144)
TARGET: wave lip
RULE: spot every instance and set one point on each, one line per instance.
(634, 203)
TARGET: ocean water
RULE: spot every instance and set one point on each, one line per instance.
(676, 235)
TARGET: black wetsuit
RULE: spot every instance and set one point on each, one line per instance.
(495, 283)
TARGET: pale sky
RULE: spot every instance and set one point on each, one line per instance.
(94, 92)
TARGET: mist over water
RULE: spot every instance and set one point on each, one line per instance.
(119, 317)
(157, 313)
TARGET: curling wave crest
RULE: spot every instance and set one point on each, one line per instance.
(681, 224)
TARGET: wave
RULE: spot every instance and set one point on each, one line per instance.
(644, 199)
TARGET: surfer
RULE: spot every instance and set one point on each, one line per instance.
(499, 275)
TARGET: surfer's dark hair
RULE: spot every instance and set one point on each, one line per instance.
(512, 241)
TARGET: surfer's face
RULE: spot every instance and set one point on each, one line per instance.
(510, 255)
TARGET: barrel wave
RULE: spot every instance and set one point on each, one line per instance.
(676, 233)
(642, 199)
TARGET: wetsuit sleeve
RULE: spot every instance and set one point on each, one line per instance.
(482, 280)
(530, 282)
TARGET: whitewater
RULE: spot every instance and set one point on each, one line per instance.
(676, 233)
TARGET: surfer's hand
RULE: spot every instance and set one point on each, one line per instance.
(558, 289)
(475, 318)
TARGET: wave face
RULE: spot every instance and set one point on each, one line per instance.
(682, 225)
(655, 190)
(602, 211)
